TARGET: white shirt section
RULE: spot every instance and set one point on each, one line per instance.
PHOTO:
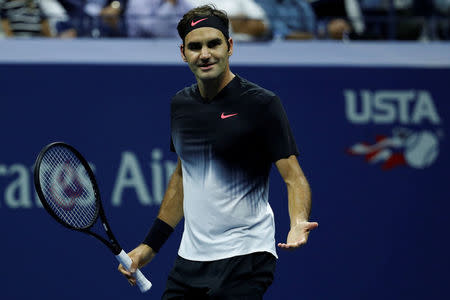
(217, 226)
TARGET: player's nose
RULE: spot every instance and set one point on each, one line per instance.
(204, 53)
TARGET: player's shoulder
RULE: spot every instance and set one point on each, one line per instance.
(185, 94)
(255, 93)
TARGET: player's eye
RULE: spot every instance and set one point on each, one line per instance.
(214, 43)
(194, 46)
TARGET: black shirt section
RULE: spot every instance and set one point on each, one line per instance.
(244, 126)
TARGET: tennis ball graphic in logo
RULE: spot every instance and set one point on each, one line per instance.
(421, 149)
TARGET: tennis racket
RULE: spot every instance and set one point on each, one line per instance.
(69, 192)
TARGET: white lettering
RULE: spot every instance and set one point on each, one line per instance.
(2, 170)
(386, 107)
(351, 106)
(17, 193)
(404, 99)
(157, 175)
(2, 173)
(37, 202)
(130, 176)
(425, 109)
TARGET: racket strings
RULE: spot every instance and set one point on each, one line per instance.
(67, 188)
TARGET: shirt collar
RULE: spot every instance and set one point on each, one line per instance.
(231, 89)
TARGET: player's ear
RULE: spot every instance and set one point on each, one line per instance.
(230, 46)
(182, 53)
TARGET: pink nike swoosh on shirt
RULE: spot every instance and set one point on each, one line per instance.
(224, 116)
(196, 22)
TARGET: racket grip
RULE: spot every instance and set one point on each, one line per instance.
(143, 283)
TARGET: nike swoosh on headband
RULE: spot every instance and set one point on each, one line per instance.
(196, 22)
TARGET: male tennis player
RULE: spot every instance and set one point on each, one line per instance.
(227, 132)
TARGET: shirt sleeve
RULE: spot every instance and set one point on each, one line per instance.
(279, 141)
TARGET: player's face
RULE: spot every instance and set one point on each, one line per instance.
(206, 52)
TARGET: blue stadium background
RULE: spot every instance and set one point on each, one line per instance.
(383, 232)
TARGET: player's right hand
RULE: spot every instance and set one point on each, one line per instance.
(140, 256)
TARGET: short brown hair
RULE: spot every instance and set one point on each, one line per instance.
(201, 11)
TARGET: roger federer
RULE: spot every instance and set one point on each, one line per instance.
(227, 132)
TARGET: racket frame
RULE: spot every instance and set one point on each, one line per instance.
(112, 244)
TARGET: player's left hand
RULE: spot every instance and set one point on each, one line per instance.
(298, 235)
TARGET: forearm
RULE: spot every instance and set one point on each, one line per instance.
(171, 210)
(170, 213)
(299, 200)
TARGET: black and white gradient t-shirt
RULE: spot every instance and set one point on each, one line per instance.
(227, 147)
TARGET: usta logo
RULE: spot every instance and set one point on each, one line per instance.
(404, 147)
(387, 107)
(417, 148)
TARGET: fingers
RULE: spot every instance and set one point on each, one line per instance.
(291, 246)
(133, 267)
(312, 225)
(140, 256)
(129, 275)
(298, 236)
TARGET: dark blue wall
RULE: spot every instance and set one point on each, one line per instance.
(383, 226)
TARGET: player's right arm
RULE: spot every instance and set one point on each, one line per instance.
(170, 212)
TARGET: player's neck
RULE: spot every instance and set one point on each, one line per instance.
(209, 89)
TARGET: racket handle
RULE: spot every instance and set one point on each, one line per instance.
(143, 283)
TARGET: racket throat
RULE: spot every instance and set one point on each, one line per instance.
(113, 243)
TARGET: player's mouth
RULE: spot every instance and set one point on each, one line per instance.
(206, 67)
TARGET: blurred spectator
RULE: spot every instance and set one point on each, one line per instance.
(112, 11)
(443, 6)
(85, 18)
(290, 19)
(397, 22)
(155, 18)
(58, 19)
(441, 9)
(146, 18)
(248, 20)
(23, 18)
(338, 19)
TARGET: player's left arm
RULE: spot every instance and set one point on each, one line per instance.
(299, 198)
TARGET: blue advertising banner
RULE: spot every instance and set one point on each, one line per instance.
(373, 141)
